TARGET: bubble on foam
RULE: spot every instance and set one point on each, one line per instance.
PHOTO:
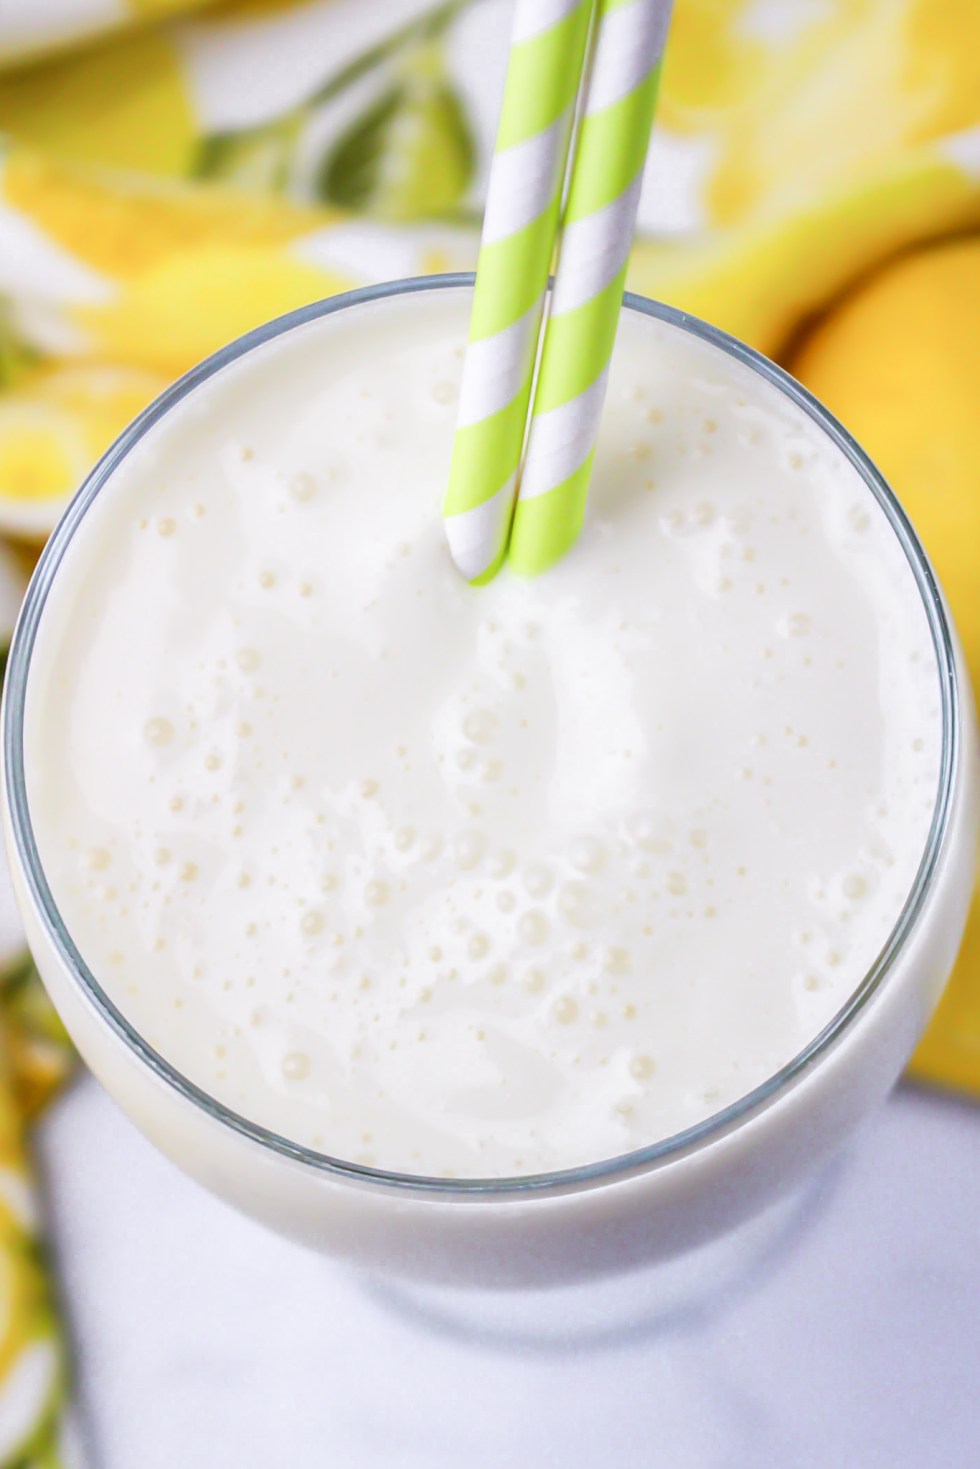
(98, 858)
(650, 831)
(587, 854)
(478, 946)
(158, 731)
(577, 902)
(532, 927)
(501, 863)
(312, 921)
(641, 1066)
(480, 726)
(617, 960)
(295, 1065)
(248, 659)
(538, 879)
(469, 848)
(302, 485)
(377, 892)
(565, 1010)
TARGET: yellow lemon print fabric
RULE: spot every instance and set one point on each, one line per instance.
(173, 172)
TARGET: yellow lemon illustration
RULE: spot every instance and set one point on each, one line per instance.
(123, 104)
(121, 226)
(54, 424)
(850, 84)
(196, 301)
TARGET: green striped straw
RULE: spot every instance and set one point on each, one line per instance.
(544, 72)
(600, 216)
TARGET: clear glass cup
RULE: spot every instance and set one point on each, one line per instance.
(666, 1208)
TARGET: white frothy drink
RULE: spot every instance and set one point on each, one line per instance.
(492, 881)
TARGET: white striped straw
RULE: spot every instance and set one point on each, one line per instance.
(516, 254)
(600, 217)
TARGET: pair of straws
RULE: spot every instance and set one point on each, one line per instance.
(568, 162)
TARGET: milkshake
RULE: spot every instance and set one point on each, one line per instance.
(481, 883)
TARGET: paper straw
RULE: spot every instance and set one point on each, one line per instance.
(600, 216)
(520, 226)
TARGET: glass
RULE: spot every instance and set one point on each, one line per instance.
(576, 1222)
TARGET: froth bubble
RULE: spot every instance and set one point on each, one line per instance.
(641, 1067)
(312, 921)
(538, 879)
(501, 863)
(302, 485)
(854, 886)
(98, 859)
(534, 981)
(468, 849)
(650, 832)
(478, 946)
(158, 731)
(676, 883)
(577, 902)
(376, 893)
(295, 1065)
(617, 960)
(404, 838)
(565, 1010)
(587, 854)
(479, 726)
(247, 659)
(532, 927)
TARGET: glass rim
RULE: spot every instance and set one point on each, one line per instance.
(604, 1171)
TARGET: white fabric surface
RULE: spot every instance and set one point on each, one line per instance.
(205, 1342)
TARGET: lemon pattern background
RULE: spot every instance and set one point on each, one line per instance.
(173, 173)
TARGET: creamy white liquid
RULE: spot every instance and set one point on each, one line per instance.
(479, 881)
